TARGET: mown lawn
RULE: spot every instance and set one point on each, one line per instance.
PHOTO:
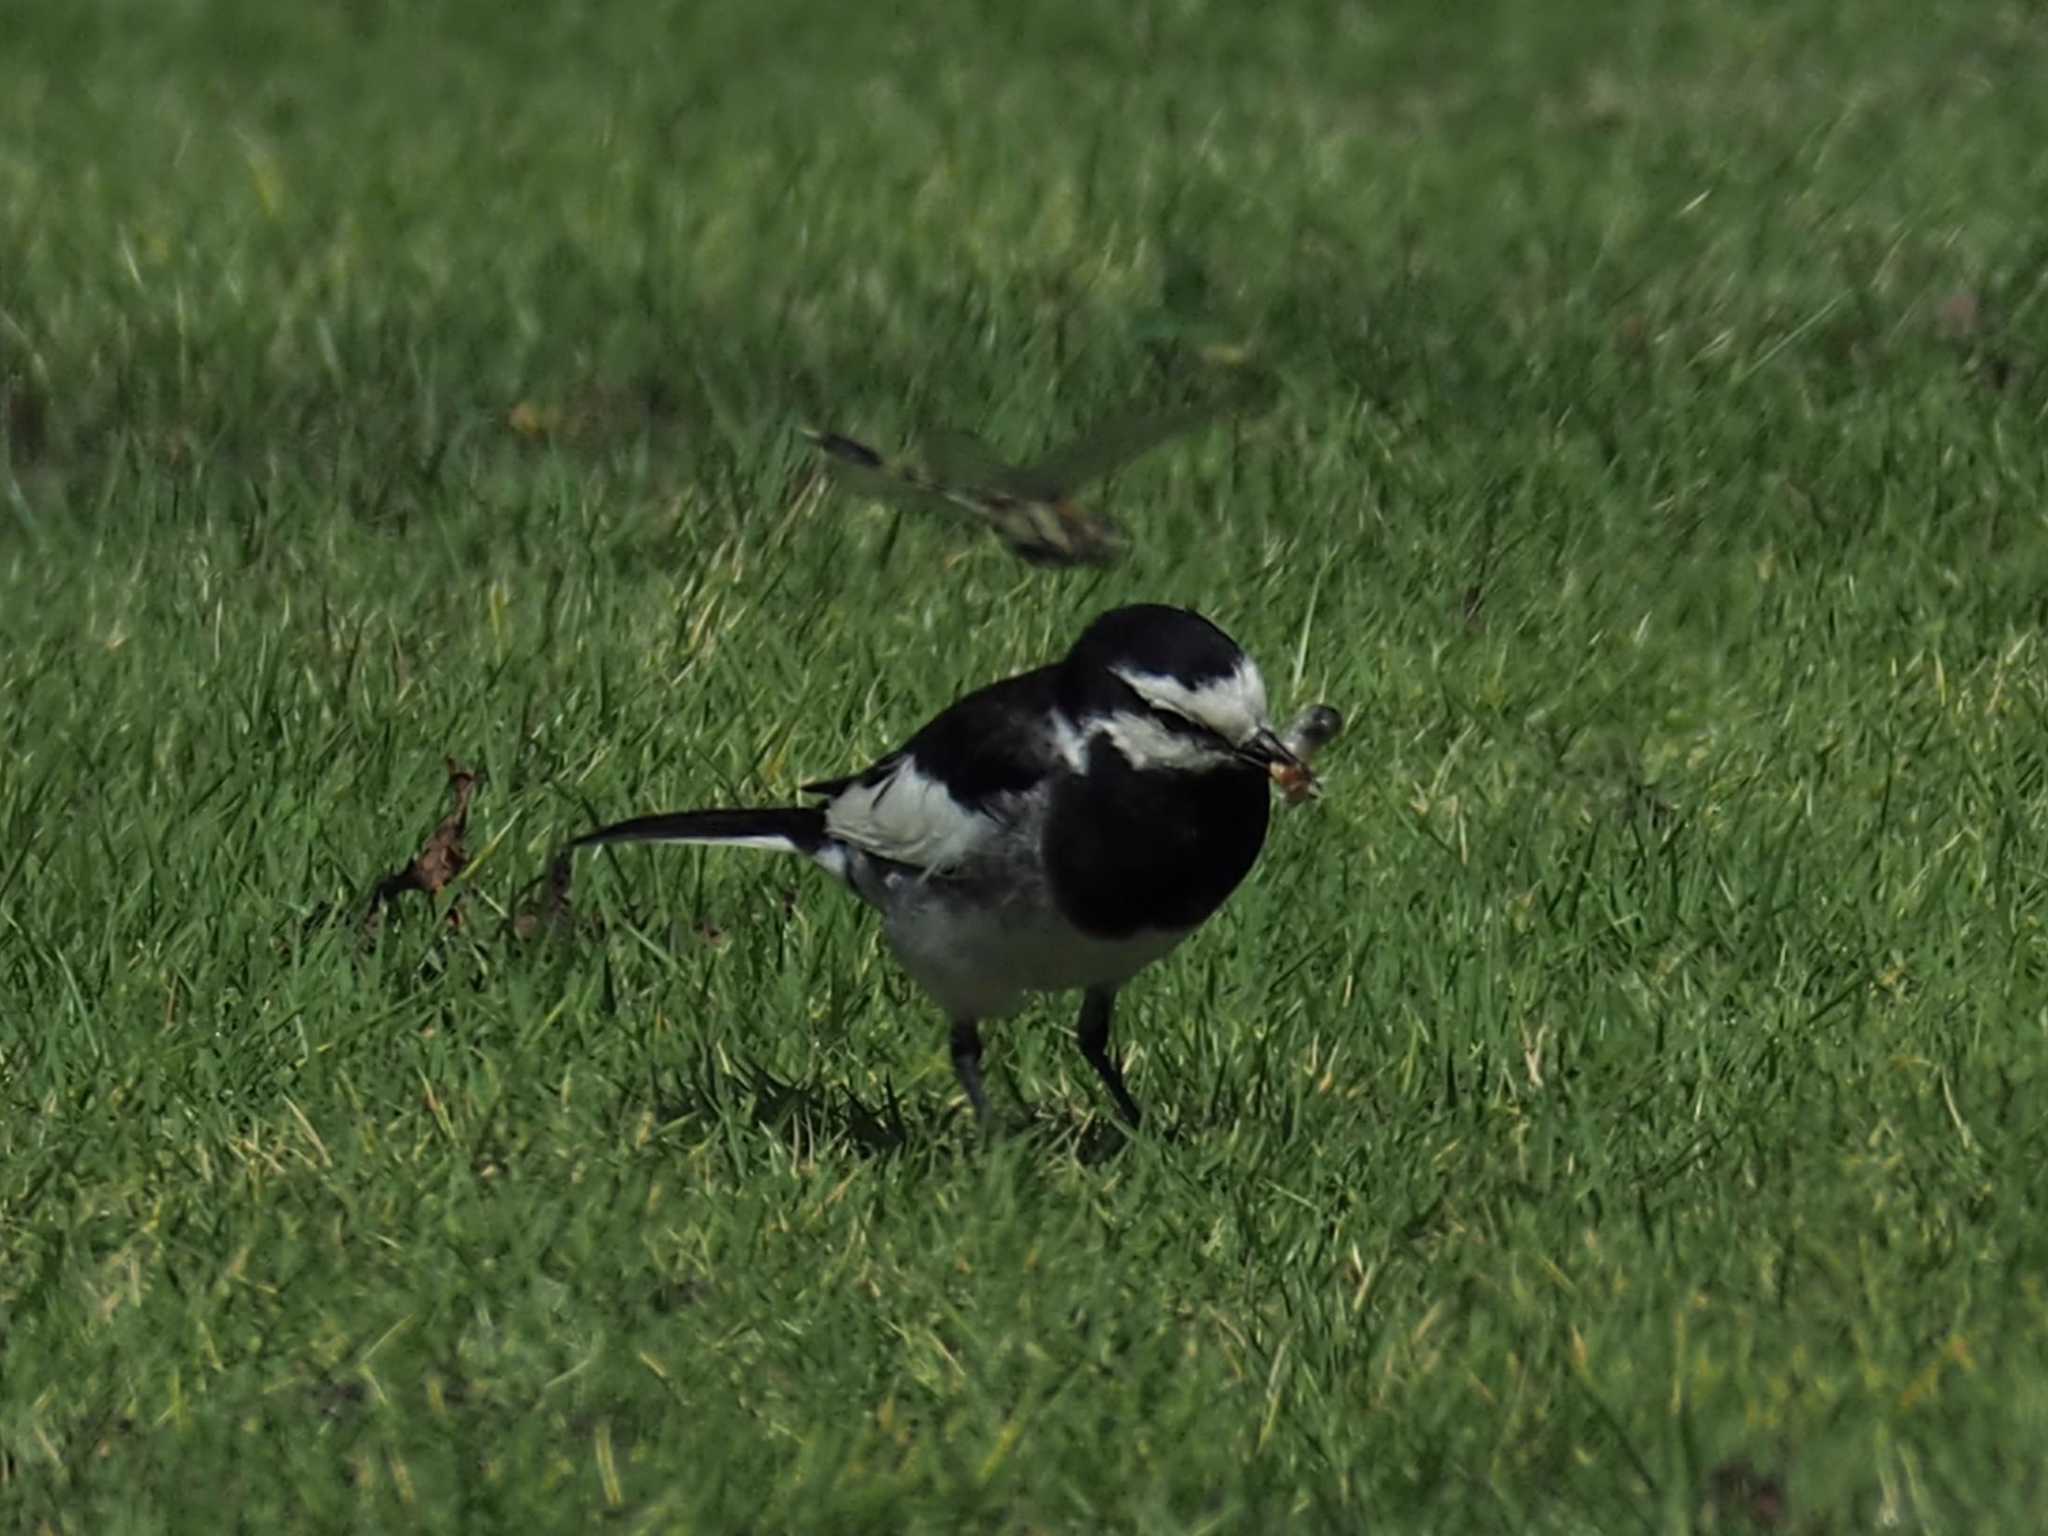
(1620, 1104)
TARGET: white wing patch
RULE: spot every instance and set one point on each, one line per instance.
(1234, 707)
(1069, 745)
(910, 818)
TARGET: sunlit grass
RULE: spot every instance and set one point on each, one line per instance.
(1616, 1105)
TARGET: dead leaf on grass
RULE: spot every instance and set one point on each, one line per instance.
(1737, 1492)
(440, 859)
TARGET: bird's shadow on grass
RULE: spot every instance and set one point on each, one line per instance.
(816, 1118)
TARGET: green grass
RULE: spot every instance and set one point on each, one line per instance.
(1634, 1069)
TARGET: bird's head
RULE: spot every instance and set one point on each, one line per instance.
(1171, 691)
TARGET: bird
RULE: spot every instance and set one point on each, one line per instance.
(1028, 509)
(1055, 831)
(1031, 507)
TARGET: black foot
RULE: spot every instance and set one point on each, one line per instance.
(1097, 1004)
(967, 1064)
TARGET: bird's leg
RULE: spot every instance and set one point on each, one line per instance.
(1097, 1004)
(967, 1063)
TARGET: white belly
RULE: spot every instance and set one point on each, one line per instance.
(985, 964)
(982, 961)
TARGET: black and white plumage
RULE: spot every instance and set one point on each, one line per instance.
(1058, 830)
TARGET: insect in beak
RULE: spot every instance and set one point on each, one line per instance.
(1286, 755)
(1266, 750)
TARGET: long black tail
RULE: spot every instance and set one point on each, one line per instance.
(784, 829)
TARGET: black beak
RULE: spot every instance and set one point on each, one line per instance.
(1267, 750)
(1282, 764)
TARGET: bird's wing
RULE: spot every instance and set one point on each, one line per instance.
(948, 792)
(1118, 439)
(1028, 514)
(1110, 445)
(861, 469)
(964, 462)
(963, 479)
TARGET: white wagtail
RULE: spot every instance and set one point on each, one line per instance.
(1060, 829)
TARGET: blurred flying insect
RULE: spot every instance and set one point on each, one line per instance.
(1030, 507)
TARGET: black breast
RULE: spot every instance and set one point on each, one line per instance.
(1162, 850)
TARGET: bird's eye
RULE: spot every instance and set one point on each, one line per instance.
(1188, 725)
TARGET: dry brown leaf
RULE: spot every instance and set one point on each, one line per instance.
(440, 859)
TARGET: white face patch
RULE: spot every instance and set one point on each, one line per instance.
(909, 818)
(1233, 707)
(1149, 742)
